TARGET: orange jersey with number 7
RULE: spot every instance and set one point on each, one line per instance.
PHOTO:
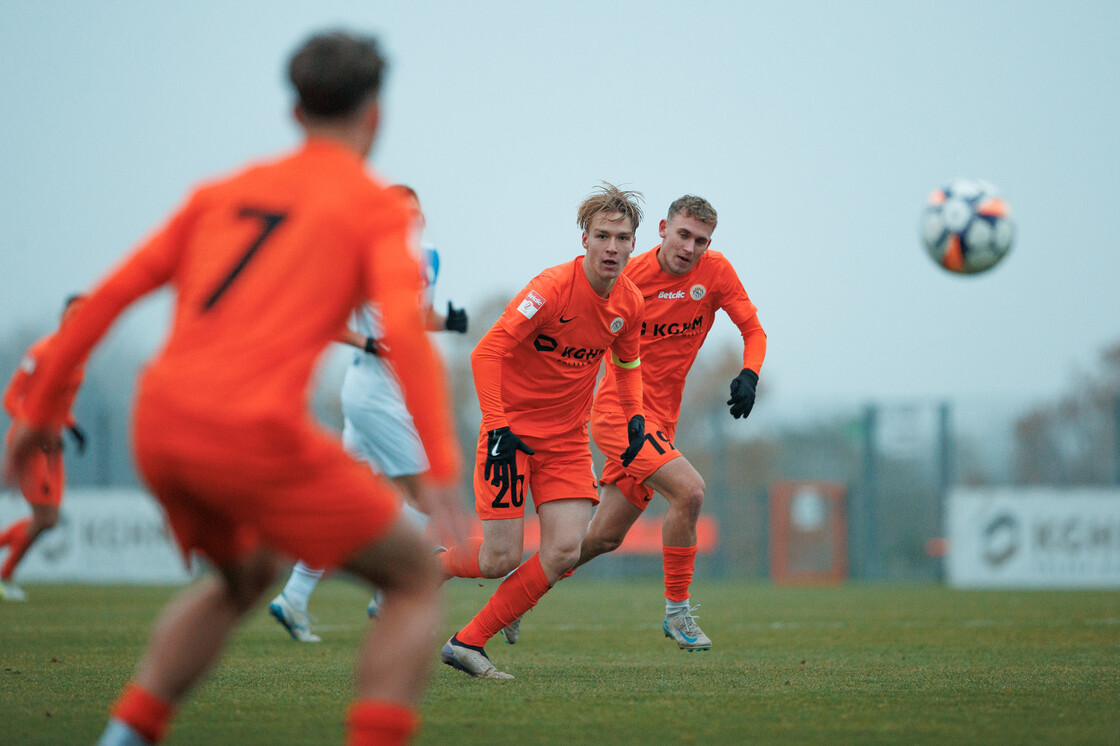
(679, 311)
(267, 265)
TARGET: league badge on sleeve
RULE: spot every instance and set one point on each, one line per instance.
(532, 303)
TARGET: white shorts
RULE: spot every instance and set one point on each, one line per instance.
(377, 427)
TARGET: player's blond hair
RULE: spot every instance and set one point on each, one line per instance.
(693, 207)
(610, 199)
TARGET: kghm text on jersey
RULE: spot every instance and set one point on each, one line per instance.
(668, 329)
(570, 355)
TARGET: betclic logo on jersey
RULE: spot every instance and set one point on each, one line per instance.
(532, 303)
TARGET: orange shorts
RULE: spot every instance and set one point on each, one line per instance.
(609, 431)
(44, 479)
(229, 489)
(560, 469)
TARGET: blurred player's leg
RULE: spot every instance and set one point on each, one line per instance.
(187, 640)
(289, 608)
(410, 486)
(14, 537)
(393, 660)
(41, 486)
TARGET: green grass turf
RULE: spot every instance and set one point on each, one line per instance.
(847, 665)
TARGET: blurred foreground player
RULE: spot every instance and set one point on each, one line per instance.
(535, 373)
(377, 428)
(43, 482)
(267, 264)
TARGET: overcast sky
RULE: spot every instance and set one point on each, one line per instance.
(816, 129)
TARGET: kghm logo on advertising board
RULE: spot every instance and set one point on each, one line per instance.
(1033, 537)
(1001, 539)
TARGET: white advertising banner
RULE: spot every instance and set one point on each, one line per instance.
(1033, 538)
(103, 536)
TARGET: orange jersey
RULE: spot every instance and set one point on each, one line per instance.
(267, 265)
(554, 335)
(679, 311)
(17, 386)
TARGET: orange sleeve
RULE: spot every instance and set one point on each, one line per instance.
(47, 401)
(486, 367)
(625, 357)
(744, 314)
(629, 390)
(754, 344)
(392, 278)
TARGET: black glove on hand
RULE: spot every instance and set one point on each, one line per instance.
(636, 433)
(501, 450)
(742, 393)
(456, 319)
(79, 438)
(371, 346)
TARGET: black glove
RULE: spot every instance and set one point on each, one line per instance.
(79, 438)
(742, 393)
(501, 450)
(636, 433)
(456, 319)
(371, 346)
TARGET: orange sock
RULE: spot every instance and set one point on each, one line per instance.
(678, 563)
(371, 722)
(517, 594)
(144, 712)
(461, 560)
(16, 539)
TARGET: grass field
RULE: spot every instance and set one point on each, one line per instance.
(848, 665)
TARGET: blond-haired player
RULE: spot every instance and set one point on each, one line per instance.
(683, 283)
(535, 373)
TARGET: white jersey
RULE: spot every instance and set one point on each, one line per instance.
(378, 428)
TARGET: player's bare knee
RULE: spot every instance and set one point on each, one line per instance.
(689, 499)
(497, 564)
(561, 558)
(601, 544)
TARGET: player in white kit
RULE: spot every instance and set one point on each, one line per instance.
(377, 430)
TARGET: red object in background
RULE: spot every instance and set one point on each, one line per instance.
(808, 533)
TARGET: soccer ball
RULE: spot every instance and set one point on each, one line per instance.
(966, 226)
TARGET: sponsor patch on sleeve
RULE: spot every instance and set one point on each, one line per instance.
(532, 303)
